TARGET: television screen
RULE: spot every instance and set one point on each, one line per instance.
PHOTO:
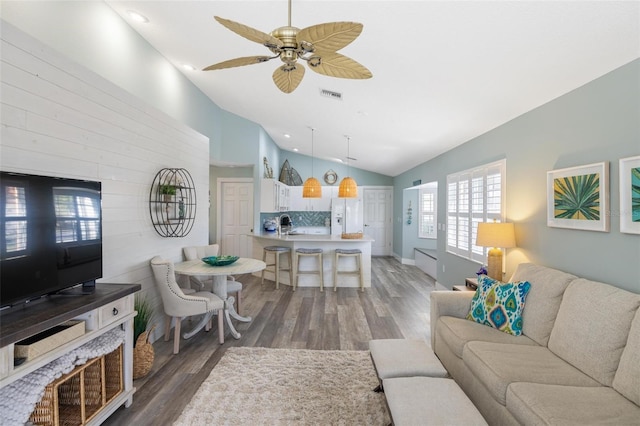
(50, 235)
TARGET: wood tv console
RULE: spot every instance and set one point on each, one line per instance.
(110, 306)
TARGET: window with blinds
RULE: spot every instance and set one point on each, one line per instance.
(77, 215)
(428, 210)
(473, 196)
(15, 221)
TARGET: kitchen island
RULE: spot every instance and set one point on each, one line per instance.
(328, 243)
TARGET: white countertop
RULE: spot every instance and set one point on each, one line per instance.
(311, 237)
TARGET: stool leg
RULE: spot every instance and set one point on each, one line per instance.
(277, 266)
(321, 267)
(359, 259)
(335, 272)
(291, 270)
(296, 276)
(264, 259)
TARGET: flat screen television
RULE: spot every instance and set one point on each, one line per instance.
(50, 235)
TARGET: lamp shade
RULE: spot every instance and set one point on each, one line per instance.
(348, 188)
(496, 235)
(312, 188)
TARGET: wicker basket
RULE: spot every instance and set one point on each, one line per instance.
(143, 355)
(352, 236)
(76, 397)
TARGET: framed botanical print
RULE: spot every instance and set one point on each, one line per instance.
(630, 195)
(578, 197)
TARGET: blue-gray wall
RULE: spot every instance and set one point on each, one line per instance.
(597, 122)
(302, 163)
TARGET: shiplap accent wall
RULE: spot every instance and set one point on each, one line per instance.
(60, 119)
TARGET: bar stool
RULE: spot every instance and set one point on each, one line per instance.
(277, 251)
(309, 252)
(355, 253)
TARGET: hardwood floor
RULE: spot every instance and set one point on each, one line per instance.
(396, 306)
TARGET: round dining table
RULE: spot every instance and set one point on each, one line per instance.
(243, 265)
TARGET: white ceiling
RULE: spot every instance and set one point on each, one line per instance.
(444, 72)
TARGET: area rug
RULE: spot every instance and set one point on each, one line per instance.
(260, 386)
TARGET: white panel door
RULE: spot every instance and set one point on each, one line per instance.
(237, 218)
(377, 219)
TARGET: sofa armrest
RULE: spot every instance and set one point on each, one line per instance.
(448, 303)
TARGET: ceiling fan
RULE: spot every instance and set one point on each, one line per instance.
(317, 45)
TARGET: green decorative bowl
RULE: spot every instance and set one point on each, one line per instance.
(220, 260)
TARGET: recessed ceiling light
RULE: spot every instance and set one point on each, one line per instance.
(287, 135)
(137, 16)
(189, 67)
(295, 150)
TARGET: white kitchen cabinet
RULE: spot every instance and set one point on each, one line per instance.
(323, 204)
(274, 196)
(297, 203)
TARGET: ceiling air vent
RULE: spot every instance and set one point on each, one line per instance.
(329, 94)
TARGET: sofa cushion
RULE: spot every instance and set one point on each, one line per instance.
(497, 365)
(456, 332)
(404, 358)
(536, 404)
(592, 327)
(429, 400)
(627, 378)
(499, 305)
(543, 300)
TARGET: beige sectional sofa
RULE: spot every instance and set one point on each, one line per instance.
(576, 362)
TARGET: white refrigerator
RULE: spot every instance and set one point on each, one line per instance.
(347, 215)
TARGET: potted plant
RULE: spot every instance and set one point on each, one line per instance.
(143, 353)
(168, 191)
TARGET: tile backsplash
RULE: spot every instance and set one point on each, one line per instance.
(303, 218)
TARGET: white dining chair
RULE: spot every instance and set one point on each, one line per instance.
(198, 252)
(179, 305)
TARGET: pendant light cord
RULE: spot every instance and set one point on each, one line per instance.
(348, 155)
(312, 129)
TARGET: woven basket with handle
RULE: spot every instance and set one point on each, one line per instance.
(143, 355)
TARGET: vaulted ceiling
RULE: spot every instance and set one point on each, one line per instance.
(444, 72)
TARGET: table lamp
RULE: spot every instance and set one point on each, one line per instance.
(495, 235)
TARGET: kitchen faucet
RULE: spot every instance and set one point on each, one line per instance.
(280, 221)
(283, 216)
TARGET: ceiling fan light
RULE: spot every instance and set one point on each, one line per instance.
(348, 188)
(312, 188)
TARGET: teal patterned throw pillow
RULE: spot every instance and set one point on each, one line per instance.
(499, 305)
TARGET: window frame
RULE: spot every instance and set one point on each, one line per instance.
(430, 189)
(21, 202)
(471, 198)
(70, 201)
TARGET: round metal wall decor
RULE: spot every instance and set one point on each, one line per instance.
(330, 177)
(172, 202)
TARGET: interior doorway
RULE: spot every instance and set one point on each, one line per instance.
(235, 216)
(378, 208)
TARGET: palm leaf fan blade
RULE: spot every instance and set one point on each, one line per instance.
(287, 78)
(331, 36)
(238, 62)
(250, 33)
(334, 64)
